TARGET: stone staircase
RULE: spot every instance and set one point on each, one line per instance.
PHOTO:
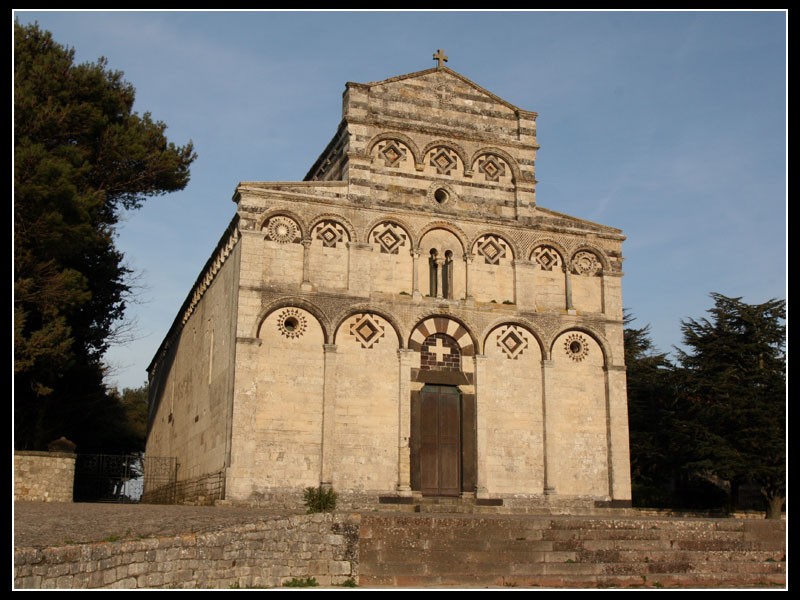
(559, 551)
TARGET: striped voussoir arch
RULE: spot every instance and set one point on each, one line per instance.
(434, 325)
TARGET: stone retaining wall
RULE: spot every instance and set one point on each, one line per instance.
(43, 476)
(259, 555)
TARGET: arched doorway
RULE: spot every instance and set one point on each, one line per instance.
(443, 430)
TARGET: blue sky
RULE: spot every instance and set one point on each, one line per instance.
(668, 125)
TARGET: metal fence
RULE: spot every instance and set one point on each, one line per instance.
(120, 477)
(198, 490)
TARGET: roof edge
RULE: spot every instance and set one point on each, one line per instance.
(456, 74)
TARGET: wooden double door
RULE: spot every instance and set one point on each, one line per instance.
(440, 440)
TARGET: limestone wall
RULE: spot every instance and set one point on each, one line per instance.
(259, 555)
(366, 428)
(577, 417)
(43, 476)
(510, 411)
(278, 406)
(192, 384)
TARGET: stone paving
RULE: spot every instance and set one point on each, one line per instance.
(44, 524)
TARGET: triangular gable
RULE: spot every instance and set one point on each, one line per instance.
(451, 73)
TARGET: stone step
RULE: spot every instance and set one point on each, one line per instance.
(657, 581)
(437, 549)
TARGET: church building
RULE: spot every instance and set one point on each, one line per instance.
(405, 323)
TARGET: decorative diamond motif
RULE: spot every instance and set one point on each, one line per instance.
(392, 153)
(492, 248)
(576, 347)
(547, 258)
(585, 263)
(330, 233)
(389, 237)
(444, 160)
(367, 329)
(512, 341)
(492, 167)
(282, 230)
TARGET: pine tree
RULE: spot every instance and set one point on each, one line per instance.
(734, 376)
(82, 156)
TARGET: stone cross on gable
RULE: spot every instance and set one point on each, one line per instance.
(440, 350)
(441, 57)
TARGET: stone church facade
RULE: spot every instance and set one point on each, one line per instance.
(404, 322)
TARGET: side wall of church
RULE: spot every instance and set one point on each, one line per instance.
(192, 383)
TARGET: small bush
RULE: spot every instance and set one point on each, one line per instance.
(350, 583)
(319, 499)
(295, 582)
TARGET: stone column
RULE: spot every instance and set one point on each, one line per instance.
(467, 262)
(406, 362)
(482, 488)
(439, 276)
(328, 415)
(568, 287)
(306, 285)
(548, 436)
(415, 293)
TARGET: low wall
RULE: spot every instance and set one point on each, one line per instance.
(258, 555)
(43, 476)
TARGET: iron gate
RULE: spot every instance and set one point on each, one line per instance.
(120, 477)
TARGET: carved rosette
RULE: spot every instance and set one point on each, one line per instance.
(282, 230)
(585, 263)
(576, 346)
(291, 323)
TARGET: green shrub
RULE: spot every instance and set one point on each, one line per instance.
(295, 582)
(319, 499)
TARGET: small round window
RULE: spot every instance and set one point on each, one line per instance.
(291, 323)
(441, 195)
(576, 347)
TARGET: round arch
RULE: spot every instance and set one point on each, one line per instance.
(263, 218)
(351, 231)
(511, 244)
(518, 322)
(367, 308)
(462, 154)
(448, 325)
(413, 238)
(293, 302)
(557, 246)
(400, 137)
(510, 160)
(601, 256)
(450, 227)
(600, 340)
